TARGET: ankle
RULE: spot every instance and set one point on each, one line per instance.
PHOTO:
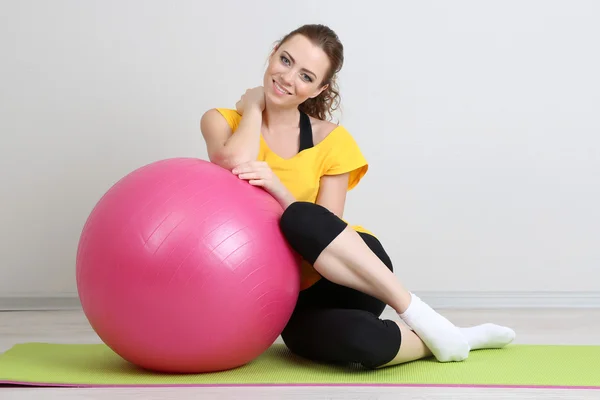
(403, 302)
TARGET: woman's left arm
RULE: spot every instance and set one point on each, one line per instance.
(259, 173)
(332, 190)
(332, 193)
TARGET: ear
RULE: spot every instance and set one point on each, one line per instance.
(321, 90)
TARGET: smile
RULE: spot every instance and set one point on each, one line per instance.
(280, 89)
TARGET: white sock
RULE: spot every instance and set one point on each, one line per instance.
(445, 341)
(488, 336)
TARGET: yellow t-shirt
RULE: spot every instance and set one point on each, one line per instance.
(337, 153)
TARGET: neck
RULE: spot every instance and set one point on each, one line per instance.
(276, 118)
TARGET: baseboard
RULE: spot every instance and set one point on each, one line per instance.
(495, 300)
(39, 303)
(437, 300)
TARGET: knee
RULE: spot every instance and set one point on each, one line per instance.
(381, 347)
(303, 220)
(309, 228)
(297, 219)
(343, 336)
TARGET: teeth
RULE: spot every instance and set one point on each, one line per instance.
(280, 88)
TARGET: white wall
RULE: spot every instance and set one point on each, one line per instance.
(480, 119)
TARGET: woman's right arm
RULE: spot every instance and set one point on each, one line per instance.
(226, 149)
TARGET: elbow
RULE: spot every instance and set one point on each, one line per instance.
(227, 159)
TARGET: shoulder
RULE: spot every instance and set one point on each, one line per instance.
(218, 115)
(322, 129)
(332, 137)
(340, 152)
(329, 135)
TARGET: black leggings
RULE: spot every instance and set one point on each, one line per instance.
(333, 323)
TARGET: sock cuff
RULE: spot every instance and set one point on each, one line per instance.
(411, 307)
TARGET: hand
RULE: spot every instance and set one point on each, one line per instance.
(254, 97)
(258, 173)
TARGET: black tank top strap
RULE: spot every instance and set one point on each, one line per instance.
(306, 134)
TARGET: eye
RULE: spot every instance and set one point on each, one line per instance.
(307, 78)
(285, 60)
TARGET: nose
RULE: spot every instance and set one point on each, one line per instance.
(286, 77)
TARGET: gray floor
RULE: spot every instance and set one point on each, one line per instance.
(562, 326)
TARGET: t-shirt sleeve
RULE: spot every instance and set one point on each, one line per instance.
(343, 155)
(231, 116)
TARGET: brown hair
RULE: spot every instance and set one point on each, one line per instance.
(328, 101)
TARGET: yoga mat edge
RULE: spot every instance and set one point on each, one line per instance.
(516, 366)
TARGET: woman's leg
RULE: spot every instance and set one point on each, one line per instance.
(337, 324)
(343, 336)
(412, 349)
(347, 260)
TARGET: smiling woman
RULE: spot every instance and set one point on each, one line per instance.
(305, 64)
(278, 137)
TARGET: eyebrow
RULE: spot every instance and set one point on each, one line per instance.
(305, 70)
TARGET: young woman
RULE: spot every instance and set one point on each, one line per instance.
(278, 138)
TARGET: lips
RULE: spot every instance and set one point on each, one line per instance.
(280, 88)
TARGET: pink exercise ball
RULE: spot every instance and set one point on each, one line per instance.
(182, 268)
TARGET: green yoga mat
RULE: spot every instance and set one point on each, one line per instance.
(95, 365)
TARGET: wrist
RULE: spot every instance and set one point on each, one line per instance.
(254, 110)
(285, 197)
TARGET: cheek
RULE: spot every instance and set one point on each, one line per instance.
(304, 89)
(274, 69)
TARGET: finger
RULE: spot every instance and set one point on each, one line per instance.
(257, 182)
(239, 169)
(249, 166)
(249, 175)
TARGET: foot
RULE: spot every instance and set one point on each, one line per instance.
(445, 341)
(488, 336)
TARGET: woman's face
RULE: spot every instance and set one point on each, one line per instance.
(295, 73)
